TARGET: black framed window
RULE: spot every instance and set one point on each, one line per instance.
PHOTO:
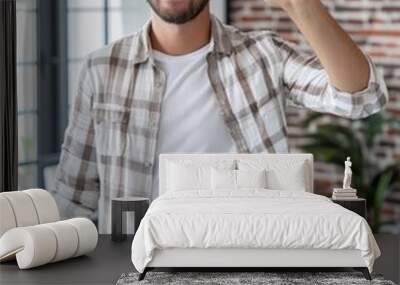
(26, 66)
(8, 97)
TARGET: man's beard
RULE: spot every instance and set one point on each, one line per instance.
(195, 8)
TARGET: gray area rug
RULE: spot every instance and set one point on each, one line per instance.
(243, 278)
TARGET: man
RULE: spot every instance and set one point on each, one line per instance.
(187, 83)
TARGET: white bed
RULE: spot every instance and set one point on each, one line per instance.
(282, 226)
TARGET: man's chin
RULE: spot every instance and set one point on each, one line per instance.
(173, 15)
(177, 11)
(174, 18)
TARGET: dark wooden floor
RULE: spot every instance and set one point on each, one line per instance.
(103, 266)
(111, 259)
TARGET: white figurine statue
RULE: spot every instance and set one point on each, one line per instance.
(347, 174)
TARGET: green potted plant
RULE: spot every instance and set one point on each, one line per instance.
(333, 141)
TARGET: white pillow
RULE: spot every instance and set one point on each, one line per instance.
(187, 174)
(181, 178)
(223, 179)
(237, 179)
(282, 174)
(251, 178)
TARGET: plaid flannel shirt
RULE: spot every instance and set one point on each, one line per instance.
(110, 143)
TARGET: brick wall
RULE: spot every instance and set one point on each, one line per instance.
(375, 27)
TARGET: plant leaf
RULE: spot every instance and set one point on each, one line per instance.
(382, 188)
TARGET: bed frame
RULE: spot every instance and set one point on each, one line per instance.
(245, 259)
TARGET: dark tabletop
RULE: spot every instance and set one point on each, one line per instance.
(102, 266)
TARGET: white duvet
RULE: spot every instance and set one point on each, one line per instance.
(252, 218)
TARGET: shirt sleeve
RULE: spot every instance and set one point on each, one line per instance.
(308, 86)
(76, 182)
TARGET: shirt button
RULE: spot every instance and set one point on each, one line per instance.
(254, 107)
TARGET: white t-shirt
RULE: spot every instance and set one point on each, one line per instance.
(191, 120)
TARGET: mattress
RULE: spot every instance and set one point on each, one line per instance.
(250, 219)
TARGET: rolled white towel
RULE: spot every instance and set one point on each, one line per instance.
(7, 218)
(32, 246)
(45, 205)
(87, 234)
(67, 240)
(40, 244)
(26, 208)
(24, 211)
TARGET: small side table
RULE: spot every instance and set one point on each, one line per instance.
(139, 205)
(357, 205)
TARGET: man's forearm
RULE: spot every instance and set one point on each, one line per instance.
(344, 62)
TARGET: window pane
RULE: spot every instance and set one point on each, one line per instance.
(126, 17)
(27, 177)
(115, 26)
(26, 36)
(26, 5)
(49, 175)
(85, 4)
(218, 8)
(27, 130)
(27, 92)
(118, 3)
(127, 20)
(27, 87)
(85, 32)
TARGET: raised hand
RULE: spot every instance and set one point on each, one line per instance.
(344, 62)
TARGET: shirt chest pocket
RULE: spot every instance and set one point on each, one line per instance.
(111, 130)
